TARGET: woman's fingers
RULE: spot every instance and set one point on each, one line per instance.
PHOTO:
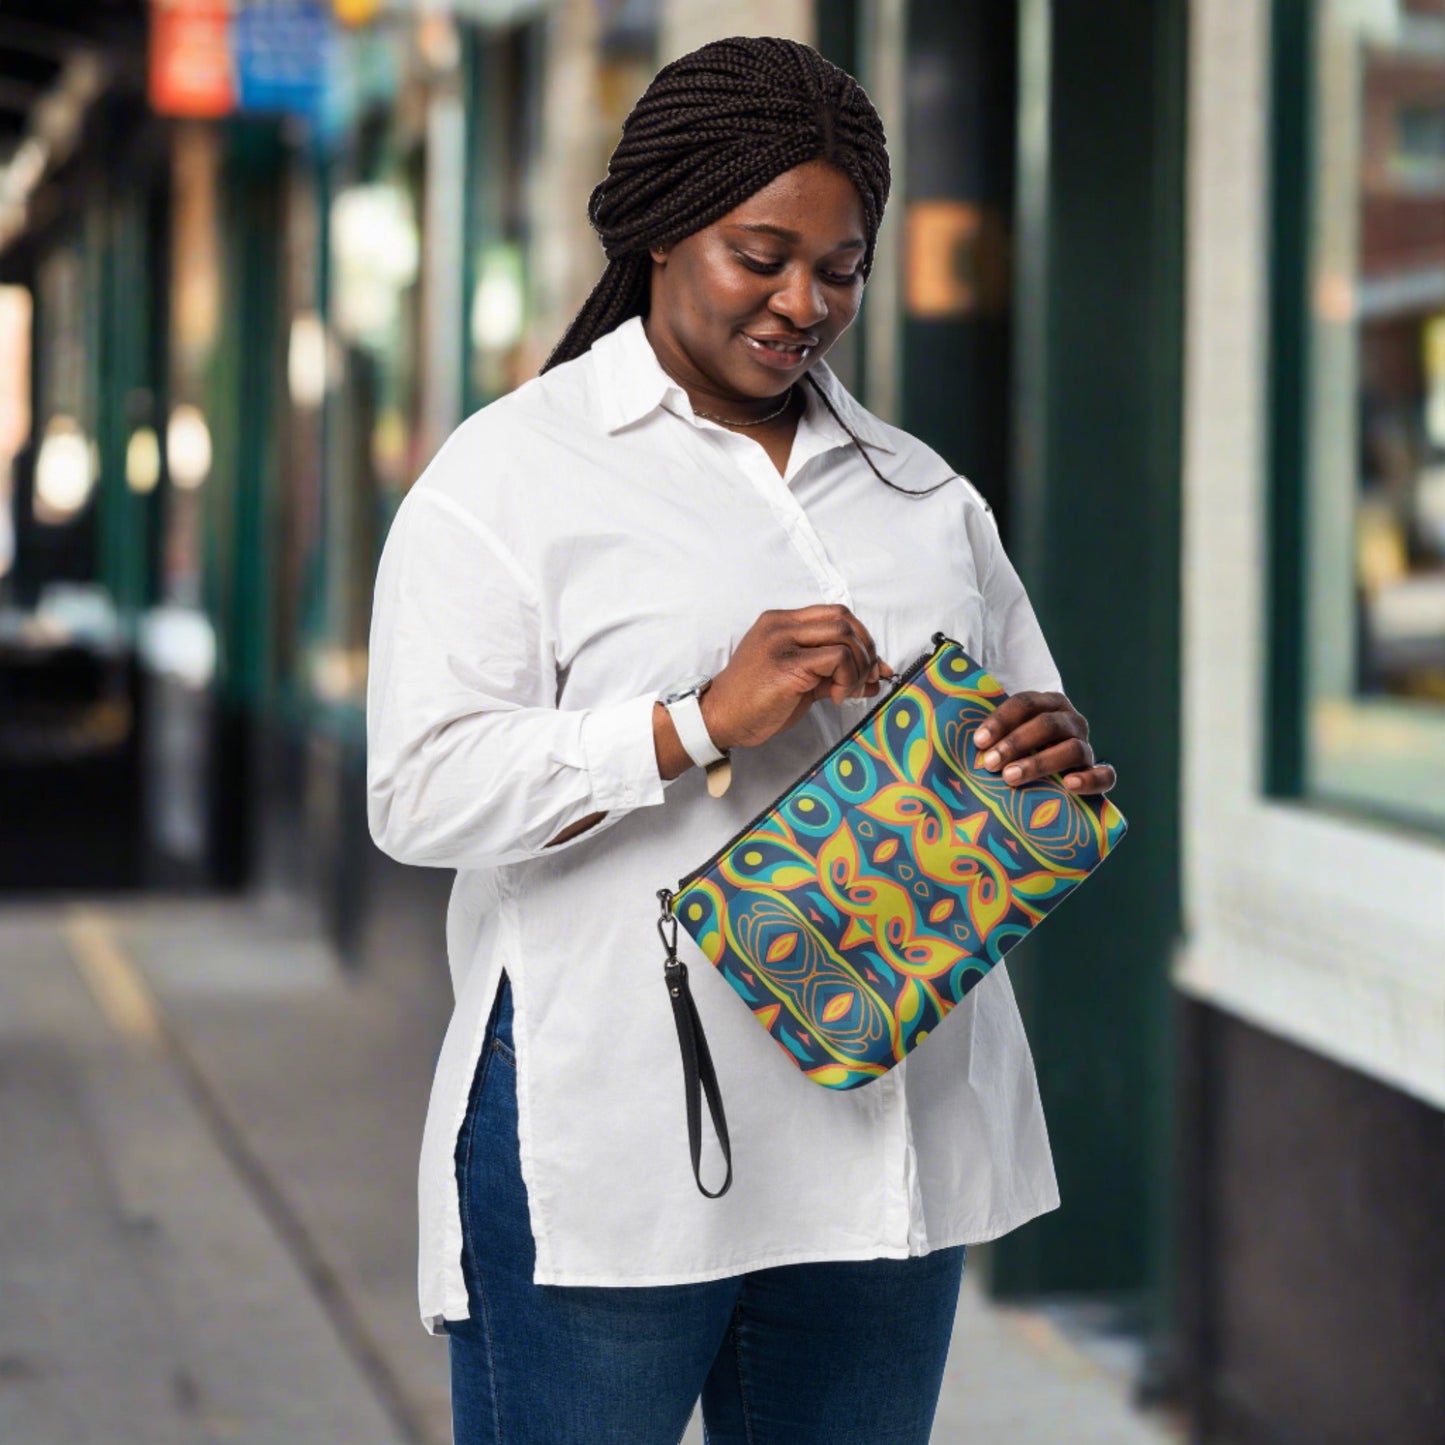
(1098, 779)
(1019, 709)
(864, 659)
(1024, 723)
(1036, 734)
(1006, 716)
(836, 668)
(828, 626)
(1070, 756)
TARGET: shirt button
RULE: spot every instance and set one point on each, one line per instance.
(629, 795)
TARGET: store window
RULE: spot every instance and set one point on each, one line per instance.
(1370, 441)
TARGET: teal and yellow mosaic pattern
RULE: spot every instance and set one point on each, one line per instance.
(885, 884)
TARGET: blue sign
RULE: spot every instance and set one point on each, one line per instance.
(281, 50)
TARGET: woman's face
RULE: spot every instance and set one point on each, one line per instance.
(783, 265)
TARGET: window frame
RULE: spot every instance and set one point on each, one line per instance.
(1295, 36)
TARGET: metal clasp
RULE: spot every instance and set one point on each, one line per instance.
(667, 924)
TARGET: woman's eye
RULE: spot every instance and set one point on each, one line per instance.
(769, 268)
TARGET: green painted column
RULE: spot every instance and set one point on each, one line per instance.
(1093, 528)
(955, 205)
(246, 371)
(119, 282)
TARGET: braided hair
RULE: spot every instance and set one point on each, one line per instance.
(714, 127)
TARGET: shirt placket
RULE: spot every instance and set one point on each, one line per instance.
(903, 1218)
(754, 463)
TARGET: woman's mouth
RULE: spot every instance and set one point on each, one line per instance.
(781, 355)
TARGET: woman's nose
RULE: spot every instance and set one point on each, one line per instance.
(801, 301)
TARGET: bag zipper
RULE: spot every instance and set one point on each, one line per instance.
(896, 682)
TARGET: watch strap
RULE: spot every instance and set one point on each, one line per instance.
(719, 776)
(692, 731)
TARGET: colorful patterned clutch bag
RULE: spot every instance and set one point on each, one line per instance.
(856, 911)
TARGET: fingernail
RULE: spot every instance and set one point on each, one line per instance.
(1011, 773)
(991, 759)
(980, 737)
(1073, 782)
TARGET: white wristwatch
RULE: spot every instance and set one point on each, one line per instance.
(681, 700)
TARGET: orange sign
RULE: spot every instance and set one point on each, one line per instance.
(190, 58)
(957, 260)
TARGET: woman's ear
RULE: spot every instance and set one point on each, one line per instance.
(659, 253)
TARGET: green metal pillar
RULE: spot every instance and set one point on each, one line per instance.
(956, 203)
(1094, 532)
(247, 369)
(117, 253)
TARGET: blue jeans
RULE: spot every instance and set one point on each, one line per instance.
(836, 1353)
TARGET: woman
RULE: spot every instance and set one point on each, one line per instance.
(686, 494)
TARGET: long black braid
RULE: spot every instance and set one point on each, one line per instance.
(714, 127)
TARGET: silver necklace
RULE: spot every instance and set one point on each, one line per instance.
(728, 421)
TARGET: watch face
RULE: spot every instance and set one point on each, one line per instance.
(677, 690)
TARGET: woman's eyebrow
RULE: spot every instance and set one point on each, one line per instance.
(783, 234)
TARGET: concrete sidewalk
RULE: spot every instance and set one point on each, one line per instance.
(207, 1199)
(145, 1296)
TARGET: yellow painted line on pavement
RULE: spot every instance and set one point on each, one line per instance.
(116, 984)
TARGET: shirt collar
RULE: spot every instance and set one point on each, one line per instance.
(633, 384)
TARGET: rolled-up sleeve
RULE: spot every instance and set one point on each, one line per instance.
(470, 763)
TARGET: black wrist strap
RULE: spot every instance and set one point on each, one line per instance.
(698, 1075)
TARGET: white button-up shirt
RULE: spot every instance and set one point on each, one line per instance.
(573, 548)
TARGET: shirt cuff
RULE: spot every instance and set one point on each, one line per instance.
(621, 755)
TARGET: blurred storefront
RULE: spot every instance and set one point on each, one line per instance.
(1313, 1177)
(74, 302)
(247, 279)
(257, 261)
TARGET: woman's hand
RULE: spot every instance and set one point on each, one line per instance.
(789, 659)
(1033, 734)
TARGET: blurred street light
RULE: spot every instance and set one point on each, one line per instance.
(64, 471)
(498, 303)
(377, 251)
(307, 369)
(143, 460)
(188, 447)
